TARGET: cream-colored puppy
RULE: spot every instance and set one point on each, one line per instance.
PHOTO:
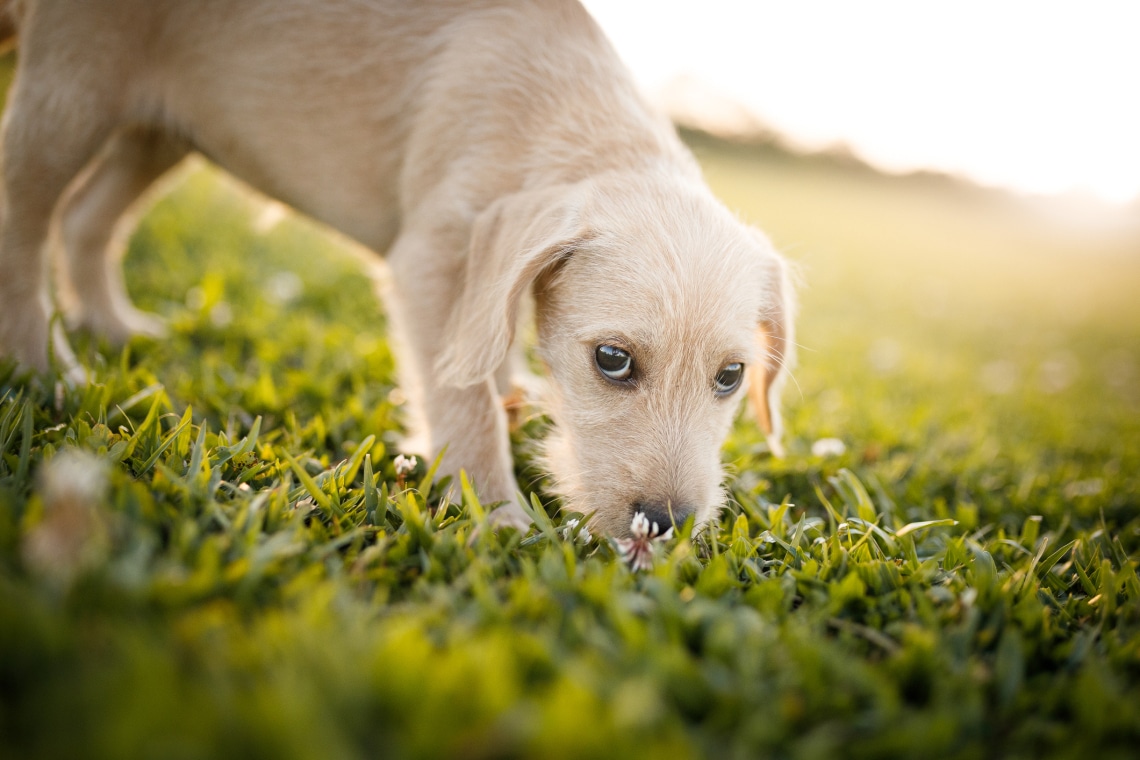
(486, 148)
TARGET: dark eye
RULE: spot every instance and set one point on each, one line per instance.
(728, 379)
(613, 362)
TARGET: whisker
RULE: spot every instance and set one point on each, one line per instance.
(779, 360)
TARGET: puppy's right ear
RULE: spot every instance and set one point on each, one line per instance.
(513, 242)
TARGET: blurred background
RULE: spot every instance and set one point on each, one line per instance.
(1031, 96)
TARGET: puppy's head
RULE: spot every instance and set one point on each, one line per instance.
(657, 311)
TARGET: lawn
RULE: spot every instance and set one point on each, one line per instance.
(209, 552)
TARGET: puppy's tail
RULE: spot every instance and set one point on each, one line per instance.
(11, 13)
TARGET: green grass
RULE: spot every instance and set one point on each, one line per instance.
(248, 577)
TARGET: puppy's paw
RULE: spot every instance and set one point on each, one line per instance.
(75, 376)
(507, 516)
(510, 515)
(120, 325)
(147, 325)
(24, 336)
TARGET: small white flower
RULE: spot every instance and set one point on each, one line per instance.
(828, 447)
(221, 314)
(74, 476)
(1090, 487)
(584, 535)
(73, 534)
(404, 465)
(637, 550)
(284, 287)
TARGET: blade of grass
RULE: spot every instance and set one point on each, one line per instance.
(310, 485)
(26, 442)
(923, 525)
(165, 443)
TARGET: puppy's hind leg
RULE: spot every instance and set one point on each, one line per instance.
(49, 135)
(94, 225)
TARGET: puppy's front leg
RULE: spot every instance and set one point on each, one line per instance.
(469, 422)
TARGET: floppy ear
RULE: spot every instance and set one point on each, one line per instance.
(775, 339)
(515, 240)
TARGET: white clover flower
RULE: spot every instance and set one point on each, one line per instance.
(73, 534)
(637, 550)
(404, 465)
(828, 447)
(584, 535)
(284, 287)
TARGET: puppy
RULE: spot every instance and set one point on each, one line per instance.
(485, 148)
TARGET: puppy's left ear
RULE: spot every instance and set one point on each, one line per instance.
(513, 242)
(775, 338)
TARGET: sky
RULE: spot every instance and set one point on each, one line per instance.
(1039, 97)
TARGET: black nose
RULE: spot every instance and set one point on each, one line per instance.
(664, 515)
